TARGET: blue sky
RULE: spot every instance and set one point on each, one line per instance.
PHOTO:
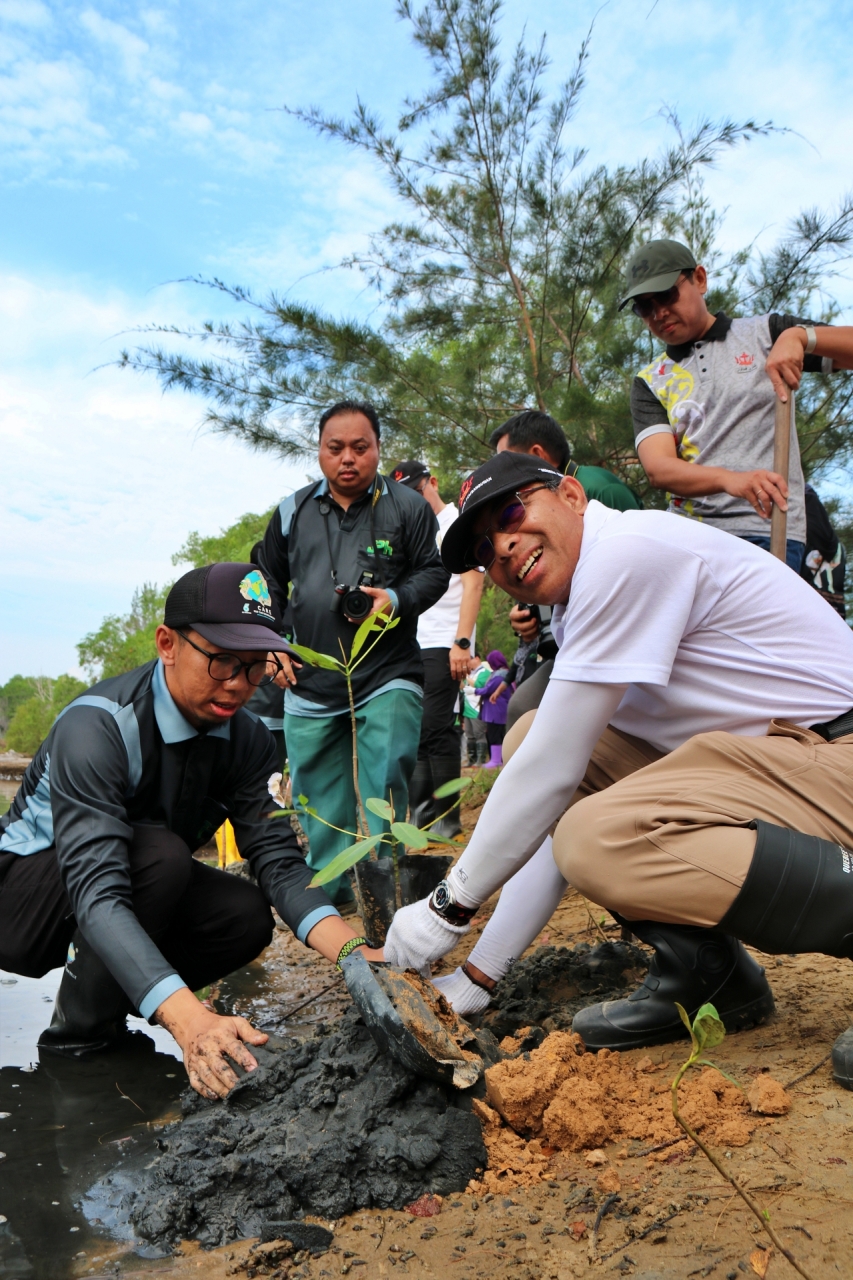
(142, 145)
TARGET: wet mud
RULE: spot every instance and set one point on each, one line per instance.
(549, 987)
(325, 1126)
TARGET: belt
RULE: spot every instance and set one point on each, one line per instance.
(836, 728)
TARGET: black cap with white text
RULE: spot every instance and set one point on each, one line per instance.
(229, 604)
(504, 473)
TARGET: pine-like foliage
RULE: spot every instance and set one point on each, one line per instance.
(499, 284)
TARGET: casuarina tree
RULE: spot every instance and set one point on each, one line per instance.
(499, 282)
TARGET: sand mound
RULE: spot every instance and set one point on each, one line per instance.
(560, 1098)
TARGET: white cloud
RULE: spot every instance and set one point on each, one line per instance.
(105, 476)
(25, 13)
(132, 48)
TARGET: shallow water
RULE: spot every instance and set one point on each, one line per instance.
(62, 1124)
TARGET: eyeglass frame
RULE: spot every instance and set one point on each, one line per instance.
(484, 536)
(661, 298)
(238, 664)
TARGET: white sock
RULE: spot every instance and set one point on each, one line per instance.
(463, 995)
(525, 906)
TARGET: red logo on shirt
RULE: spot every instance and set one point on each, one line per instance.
(465, 490)
(744, 360)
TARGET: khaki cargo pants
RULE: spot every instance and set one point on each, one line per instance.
(667, 837)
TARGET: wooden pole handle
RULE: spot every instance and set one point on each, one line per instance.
(781, 458)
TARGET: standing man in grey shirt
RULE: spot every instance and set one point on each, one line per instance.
(704, 411)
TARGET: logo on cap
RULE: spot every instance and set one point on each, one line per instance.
(399, 475)
(254, 588)
(465, 490)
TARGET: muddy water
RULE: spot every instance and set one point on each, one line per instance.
(68, 1124)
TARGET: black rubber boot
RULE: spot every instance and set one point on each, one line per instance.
(90, 1012)
(421, 786)
(482, 753)
(691, 965)
(445, 769)
(798, 896)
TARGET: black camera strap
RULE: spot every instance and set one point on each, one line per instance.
(326, 511)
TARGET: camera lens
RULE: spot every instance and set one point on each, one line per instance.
(356, 605)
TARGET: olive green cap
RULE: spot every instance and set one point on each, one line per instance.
(654, 267)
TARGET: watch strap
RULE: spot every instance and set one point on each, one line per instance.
(811, 338)
(443, 903)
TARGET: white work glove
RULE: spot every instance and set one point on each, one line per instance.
(463, 995)
(417, 936)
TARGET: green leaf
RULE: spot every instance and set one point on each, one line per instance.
(708, 1029)
(381, 808)
(451, 788)
(683, 1015)
(303, 800)
(410, 835)
(315, 659)
(433, 839)
(346, 859)
(370, 624)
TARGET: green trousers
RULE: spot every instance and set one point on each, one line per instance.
(388, 729)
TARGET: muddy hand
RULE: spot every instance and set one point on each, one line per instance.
(207, 1040)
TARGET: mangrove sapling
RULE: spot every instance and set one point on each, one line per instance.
(400, 833)
(706, 1032)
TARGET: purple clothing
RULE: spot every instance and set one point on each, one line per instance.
(495, 712)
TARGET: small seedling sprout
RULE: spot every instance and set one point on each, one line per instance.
(706, 1032)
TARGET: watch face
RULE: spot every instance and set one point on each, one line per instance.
(462, 644)
(441, 897)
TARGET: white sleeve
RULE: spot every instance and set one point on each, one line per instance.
(535, 788)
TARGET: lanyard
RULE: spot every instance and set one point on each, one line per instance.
(326, 511)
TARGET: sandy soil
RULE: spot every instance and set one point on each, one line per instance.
(652, 1214)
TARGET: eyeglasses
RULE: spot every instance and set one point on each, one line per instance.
(225, 666)
(646, 307)
(509, 519)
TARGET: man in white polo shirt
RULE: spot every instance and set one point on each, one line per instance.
(446, 638)
(698, 729)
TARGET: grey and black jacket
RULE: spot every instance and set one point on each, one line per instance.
(120, 755)
(391, 534)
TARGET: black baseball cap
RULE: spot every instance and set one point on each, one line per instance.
(655, 267)
(229, 604)
(504, 473)
(410, 473)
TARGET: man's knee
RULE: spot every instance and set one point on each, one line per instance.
(583, 837)
(516, 735)
(160, 869)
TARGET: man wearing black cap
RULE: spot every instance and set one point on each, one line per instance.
(96, 864)
(694, 749)
(704, 409)
(446, 638)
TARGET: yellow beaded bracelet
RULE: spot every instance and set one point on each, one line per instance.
(349, 947)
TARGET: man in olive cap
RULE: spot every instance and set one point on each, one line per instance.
(704, 411)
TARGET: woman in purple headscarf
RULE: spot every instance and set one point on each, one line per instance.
(494, 699)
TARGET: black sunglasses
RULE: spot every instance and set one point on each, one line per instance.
(508, 520)
(225, 666)
(646, 307)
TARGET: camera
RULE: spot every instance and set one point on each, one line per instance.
(352, 601)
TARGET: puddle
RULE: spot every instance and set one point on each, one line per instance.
(8, 791)
(72, 1125)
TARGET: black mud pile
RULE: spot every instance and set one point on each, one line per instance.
(324, 1126)
(551, 986)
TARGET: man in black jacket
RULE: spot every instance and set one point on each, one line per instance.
(96, 865)
(352, 529)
